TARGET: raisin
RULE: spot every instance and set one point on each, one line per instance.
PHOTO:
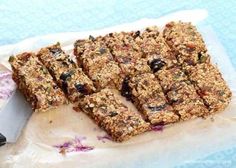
(91, 38)
(102, 50)
(125, 89)
(64, 87)
(81, 88)
(65, 75)
(156, 64)
(113, 114)
(157, 108)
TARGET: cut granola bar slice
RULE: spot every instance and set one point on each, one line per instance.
(155, 50)
(186, 42)
(66, 73)
(127, 53)
(112, 115)
(149, 98)
(181, 94)
(35, 82)
(210, 86)
(98, 63)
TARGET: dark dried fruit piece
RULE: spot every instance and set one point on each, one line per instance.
(157, 108)
(64, 87)
(91, 38)
(102, 50)
(55, 51)
(126, 90)
(156, 64)
(137, 33)
(65, 75)
(81, 88)
(113, 114)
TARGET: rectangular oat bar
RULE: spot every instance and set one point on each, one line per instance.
(127, 53)
(149, 98)
(186, 42)
(155, 50)
(181, 94)
(66, 73)
(98, 63)
(35, 82)
(210, 86)
(107, 110)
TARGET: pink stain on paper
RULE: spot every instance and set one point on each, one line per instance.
(104, 138)
(7, 85)
(75, 145)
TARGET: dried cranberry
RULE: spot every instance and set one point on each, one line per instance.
(65, 75)
(156, 64)
(125, 89)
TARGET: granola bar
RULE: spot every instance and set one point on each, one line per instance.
(210, 86)
(98, 63)
(127, 53)
(149, 98)
(66, 73)
(112, 115)
(186, 42)
(155, 50)
(35, 82)
(181, 94)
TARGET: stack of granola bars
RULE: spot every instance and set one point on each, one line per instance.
(167, 75)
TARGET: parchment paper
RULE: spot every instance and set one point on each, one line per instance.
(178, 143)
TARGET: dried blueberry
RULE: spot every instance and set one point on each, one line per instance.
(64, 87)
(91, 38)
(102, 50)
(55, 51)
(65, 75)
(113, 114)
(157, 108)
(125, 89)
(156, 64)
(81, 88)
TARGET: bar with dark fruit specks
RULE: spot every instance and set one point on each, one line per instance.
(35, 82)
(66, 73)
